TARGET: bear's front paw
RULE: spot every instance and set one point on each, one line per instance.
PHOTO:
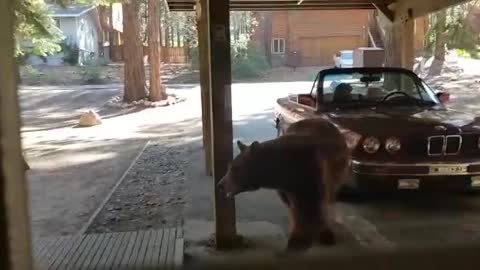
(326, 237)
(298, 243)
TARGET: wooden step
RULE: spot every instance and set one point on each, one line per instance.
(152, 249)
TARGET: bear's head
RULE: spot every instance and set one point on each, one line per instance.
(240, 176)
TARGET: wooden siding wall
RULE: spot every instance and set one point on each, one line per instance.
(279, 24)
(320, 31)
(328, 23)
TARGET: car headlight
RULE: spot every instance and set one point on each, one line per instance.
(392, 145)
(371, 145)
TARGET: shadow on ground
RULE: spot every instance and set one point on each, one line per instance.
(45, 109)
(62, 195)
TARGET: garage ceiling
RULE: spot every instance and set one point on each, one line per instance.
(185, 5)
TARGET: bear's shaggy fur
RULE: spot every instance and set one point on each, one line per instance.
(306, 166)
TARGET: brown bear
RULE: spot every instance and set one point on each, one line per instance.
(306, 166)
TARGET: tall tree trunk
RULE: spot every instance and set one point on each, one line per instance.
(392, 44)
(393, 49)
(267, 36)
(157, 90)
(440, 35)
(133, 54)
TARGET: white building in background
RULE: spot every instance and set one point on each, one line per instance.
(81, 26)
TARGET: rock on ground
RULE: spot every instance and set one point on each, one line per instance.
(89, 118)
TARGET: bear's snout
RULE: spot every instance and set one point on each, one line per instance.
(220, 187)
(226, 186)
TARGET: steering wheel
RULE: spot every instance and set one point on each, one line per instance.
(393, 94)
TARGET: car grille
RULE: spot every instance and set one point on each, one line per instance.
(444, 145)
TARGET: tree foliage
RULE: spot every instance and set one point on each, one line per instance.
(35, 31)
(242, 25)
(454, 28)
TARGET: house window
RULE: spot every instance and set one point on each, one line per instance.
(57, 22)
(278, 45)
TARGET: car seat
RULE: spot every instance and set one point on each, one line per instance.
(342, 93)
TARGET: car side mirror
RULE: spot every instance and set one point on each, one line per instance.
(444, 97)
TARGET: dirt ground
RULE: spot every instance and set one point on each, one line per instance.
(74, 169)
(151, 196)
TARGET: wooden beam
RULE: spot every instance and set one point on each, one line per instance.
(15, 247)
(285, 4)
(383, 8)
(411, 9)
(217, 20)
(204, 66)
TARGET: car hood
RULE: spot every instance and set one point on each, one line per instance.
(406, 121)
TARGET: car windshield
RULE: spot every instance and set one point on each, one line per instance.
(361, 88)
(347, 55)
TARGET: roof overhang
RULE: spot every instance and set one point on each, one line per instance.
(188, 5)
(59, 14)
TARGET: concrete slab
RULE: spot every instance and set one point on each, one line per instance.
(259, 236)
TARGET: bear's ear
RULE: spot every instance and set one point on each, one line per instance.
(254, 145)
(241, 146)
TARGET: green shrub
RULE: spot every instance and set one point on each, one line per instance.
(100, 61)
(193, 56)
(31, 74)
(92, 71)
(71, 53)
(249, 63)
(468, 53)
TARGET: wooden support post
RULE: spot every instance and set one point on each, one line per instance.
(221, 113)
(15, 245)
(408, 44)
(215, 16)
(204, 66)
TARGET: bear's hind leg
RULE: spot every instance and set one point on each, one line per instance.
(324, 235)
(303, 215)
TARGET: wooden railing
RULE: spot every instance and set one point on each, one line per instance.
(174, 55)
(177, 55)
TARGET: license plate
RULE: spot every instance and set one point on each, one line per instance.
(475, 181)
(447, 169)
(408, 183)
